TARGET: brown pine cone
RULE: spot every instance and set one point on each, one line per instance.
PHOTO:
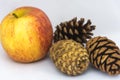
(69, 57)
(104, 55)
(75, 30)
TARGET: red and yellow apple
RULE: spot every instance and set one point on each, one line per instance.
(26, 34)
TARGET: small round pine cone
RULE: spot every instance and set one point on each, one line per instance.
(75, 30)
(69, 57)
(104, 55)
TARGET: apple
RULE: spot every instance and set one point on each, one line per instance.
(26, 34)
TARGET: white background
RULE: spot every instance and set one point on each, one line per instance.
(105, 14)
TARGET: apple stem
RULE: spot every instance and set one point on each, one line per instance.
(15, 15)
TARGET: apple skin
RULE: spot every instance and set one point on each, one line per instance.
(26, 34)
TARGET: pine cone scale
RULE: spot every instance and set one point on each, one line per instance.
(110, 61)
(81, 21)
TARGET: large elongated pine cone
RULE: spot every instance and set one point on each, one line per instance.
(75, 30)
(69, 56)
(104, 55)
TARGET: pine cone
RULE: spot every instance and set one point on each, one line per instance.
(69, 57)
(75, 30)
(104, 55)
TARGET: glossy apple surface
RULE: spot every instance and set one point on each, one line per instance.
(26, 34)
